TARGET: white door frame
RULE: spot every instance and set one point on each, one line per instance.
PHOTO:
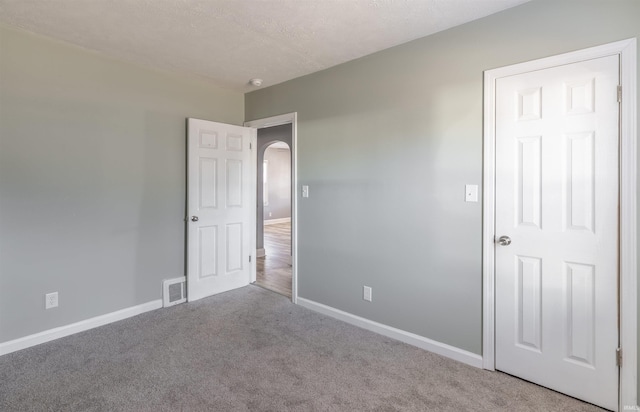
(626, 49)
(289, 118)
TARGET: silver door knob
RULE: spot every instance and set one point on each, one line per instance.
(194, 218)
(504, 240)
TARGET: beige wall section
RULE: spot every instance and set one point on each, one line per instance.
(92, 179)
(387, 143)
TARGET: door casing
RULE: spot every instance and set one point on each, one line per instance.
(287, 118)
(626, 50)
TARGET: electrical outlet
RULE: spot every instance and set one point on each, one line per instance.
(51, 300)
(367, 293)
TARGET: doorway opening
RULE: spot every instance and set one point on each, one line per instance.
(273, 214)
(289, 121)
(264, 126)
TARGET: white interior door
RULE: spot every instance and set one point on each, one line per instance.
(220, 205)
(557, 202)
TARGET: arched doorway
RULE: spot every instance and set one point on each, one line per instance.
(273, 243)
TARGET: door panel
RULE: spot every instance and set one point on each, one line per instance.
(208, 195)
(529, 316)
(557, 200)
(234, 183)
(235, 247)
(529, 167)
(208, 251)
(219, 195)
(580, 298)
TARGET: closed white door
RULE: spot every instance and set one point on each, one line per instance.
(220, 205)
(557, 205)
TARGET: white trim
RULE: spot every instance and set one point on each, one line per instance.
(277, 221)
(265, 182)
(62, 331)
(626, 49)
(254, 199)
(277, 121)
(272, 121)
(628, 226)
(407, 337)
(488, 224)
(260, 252)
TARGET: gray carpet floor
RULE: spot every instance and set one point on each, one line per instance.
(252, 350)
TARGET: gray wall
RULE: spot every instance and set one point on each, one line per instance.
(386, 144)
(267, 136)
(279, 185)
(92, 180)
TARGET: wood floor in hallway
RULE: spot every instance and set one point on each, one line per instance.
(273, 271)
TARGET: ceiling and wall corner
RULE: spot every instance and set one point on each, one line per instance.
(229, 42)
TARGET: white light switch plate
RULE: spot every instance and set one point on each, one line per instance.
(471, 193)
(367, 293)
(305, 191)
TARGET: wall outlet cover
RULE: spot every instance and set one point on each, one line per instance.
(51, 300)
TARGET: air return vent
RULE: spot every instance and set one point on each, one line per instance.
(174, 291)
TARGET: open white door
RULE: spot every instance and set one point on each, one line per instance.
(556, 225)
(220, 207)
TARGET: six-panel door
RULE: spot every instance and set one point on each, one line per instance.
(219, 207)
(557, 199)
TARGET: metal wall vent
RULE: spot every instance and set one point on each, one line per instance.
(174, 291)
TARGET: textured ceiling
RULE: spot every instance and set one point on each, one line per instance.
(229, 42)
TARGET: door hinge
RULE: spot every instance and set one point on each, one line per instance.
(619, 357)
(250, 146)
(249, 258)
(619, 94)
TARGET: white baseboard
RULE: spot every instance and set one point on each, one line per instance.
(276, 221)
(260, 252)
(412, 339)
(62, 331)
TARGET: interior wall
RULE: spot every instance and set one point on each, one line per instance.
(279, 183)
(92, 179)
(387, 143)
(267, 136)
